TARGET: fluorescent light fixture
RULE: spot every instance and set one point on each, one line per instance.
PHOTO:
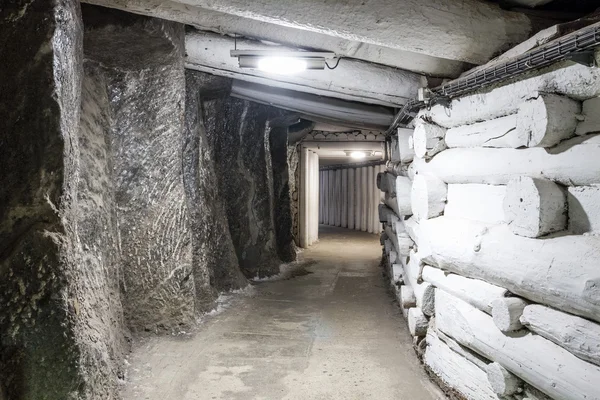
(358, 155)
(282, 65)
(281, 62)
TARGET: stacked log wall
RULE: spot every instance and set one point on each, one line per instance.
(501, 276)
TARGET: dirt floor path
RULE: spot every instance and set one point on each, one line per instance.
(328, 329)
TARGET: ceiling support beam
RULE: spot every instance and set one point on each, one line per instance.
(467, 30)
(222, 23)
(351, 80)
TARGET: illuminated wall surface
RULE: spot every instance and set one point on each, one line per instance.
(349, 198)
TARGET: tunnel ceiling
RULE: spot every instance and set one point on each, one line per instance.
(389, 49)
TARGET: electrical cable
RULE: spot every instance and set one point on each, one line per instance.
(577, 46)
(336, 64)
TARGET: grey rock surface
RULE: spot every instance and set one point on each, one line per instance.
(238, 137)
(286, 248)
(56, 325)
(142, 59)
(216, 266)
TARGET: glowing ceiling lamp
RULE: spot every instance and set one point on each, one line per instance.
(358, 154)
(282, 65)
(282, 62)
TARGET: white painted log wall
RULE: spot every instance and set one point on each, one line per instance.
(309, 197)
(557, 267)
(532, 358)
(352, 197)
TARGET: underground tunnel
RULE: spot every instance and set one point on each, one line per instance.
(225, 199)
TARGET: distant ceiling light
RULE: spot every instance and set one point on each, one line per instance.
(359, 154)
(282, 62)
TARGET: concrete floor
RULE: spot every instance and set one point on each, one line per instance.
(330, 331)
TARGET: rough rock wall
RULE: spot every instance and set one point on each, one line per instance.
(282, 197)
(294, 182)
(215, 261)
(142, 59)
(238, 136)
(98, 237)
(53, 317)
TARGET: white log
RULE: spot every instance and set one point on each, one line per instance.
(558, 271)
(338, 197)
(476, 202)
(351, 198)
(389, 183)
(344, 199)
(400, 201)
(400, 169)
(325, 197)
(575, 81)
(590, 118)
(577, 335)
(535, 207)
(407, 297)
(498, 132)
(357, 198)
(398, 274)
(428, 139)
(413, 228)
(532, 358)
(382, 238)
(456, 371)
(321, 199)
(394, 156)
(584, 213)
(477, 293)
(573, 162)
(387, 245)
(417, 323)
(364, 194)
(428, 196)
(371, 189)
(406, 152)
(395, 223)
(401, 241)
(392, 257)
(404, 243)
(502, 381)
(332, 198)
(377, 195)
(402, 190)
(548, 119)
(479, 361)
(391, 202)
(424, 291)
(304, 215)
(506, 313)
